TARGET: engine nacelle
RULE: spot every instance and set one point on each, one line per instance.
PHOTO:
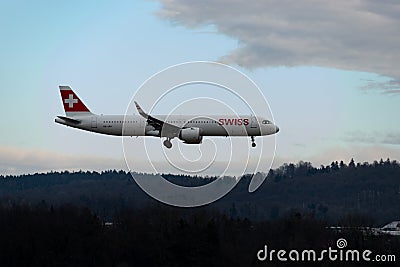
(191, 135)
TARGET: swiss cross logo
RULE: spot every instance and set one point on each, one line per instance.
(71, 101)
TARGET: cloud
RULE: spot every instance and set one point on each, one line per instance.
(390, 87)
(344, 34)
(15, 161)
(392, 138)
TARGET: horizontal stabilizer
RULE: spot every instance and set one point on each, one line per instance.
(71, 120)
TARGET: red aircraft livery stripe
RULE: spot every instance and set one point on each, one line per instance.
(71, 102)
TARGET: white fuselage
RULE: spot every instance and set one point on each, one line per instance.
(136, 125)
(188, 128)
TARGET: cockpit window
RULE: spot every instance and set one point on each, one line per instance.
(266, 122)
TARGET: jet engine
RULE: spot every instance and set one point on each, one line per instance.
(191, 135)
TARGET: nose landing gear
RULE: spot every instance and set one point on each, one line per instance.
(253, 143)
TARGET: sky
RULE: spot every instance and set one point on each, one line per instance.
(330, 72)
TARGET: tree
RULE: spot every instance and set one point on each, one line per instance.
(342, 165)
(351, 163)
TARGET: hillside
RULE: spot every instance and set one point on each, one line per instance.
(351, 193)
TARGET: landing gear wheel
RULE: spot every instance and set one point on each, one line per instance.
(253, 144)
(167, 143)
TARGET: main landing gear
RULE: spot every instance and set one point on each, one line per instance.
(253, 144)
(167, 143)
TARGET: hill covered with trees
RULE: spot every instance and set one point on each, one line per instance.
(362, 193)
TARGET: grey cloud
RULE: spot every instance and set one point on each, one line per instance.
(344, 34)
(389, 87)
(360, 137)
(373, 138)
(21, 161)
(14, 161)
(392, 139)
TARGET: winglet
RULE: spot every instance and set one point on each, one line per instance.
(140, 110)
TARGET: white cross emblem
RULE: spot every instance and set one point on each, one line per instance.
(70, 101)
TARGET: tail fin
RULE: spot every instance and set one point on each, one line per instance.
(72, 104)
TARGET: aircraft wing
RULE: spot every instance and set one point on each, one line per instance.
(165, 129)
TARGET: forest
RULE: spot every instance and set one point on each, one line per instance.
(105, 219)
(367, 191)
(163, 236)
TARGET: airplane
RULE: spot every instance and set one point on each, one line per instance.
(189, 128)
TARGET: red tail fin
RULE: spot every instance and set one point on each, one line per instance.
(72, 103)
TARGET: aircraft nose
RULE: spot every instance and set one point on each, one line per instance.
(276, 129)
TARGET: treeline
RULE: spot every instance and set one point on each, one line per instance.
(364, 193)
(158, 235)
